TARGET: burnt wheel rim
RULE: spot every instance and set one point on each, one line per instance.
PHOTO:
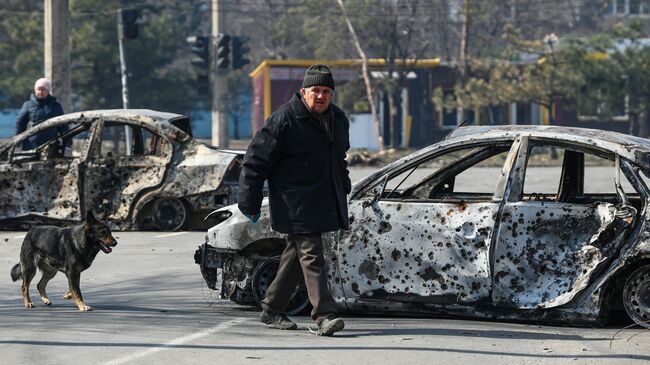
(169, 214)
(636, 296)
(264, 274)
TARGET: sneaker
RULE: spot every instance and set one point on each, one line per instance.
(330, 324)
(277, 320)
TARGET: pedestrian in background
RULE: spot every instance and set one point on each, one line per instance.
(301, 151)
(40, 107)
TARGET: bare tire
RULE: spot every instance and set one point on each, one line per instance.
(169, 214)
(264, 274)
(636, 296)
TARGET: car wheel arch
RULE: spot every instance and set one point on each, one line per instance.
(142, 208)
(265, 247)
(614, 287)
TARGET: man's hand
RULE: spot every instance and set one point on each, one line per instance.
(253, 217)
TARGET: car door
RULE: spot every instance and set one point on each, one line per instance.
(44, 182)
(128, 159)
(421, 232)
(554, 231)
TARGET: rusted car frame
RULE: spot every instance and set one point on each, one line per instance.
(141, 169)
(424, 245)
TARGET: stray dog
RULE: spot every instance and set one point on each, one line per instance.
(69, 250)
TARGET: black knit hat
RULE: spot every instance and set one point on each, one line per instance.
(318, 75)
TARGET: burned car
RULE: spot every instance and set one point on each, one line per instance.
(141, 169)
(518, 223)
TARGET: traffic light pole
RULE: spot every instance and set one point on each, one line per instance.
(125, 87)
(57, 50)
(218, 82)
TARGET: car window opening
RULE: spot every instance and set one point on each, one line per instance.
(117, 136)
(567, 175)
(451, 175)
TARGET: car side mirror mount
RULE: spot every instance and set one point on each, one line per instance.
(377, 191)
(617, 182)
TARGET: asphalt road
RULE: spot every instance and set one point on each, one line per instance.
(152, 307)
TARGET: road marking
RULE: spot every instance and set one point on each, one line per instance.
(20, 236)
(177, 342)
(169, 234)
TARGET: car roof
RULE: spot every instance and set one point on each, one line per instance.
(153, 114)
(633, 148)
(557, 132)
(161, 119)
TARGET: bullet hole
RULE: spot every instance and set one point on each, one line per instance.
(396, 255)
(384, 227)
(462, 206)
(430, 274)
(500, 275)
(369, 269)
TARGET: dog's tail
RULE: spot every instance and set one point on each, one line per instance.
(16, 272)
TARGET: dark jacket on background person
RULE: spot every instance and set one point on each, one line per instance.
(34, 112)
(304, 163)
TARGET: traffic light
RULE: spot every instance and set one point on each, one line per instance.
(128, 27)
(238, 50)
(223, 51)
(200, 46)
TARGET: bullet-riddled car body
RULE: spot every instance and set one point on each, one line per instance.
(508, 222)
(141, 169)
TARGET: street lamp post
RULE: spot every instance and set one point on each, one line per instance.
(551, 40)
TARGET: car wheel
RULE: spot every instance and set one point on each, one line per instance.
(262, 277)
(636, 296)
(169, 214)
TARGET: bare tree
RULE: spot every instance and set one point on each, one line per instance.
(366, 76)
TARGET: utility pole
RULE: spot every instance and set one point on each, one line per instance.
(462, 56)
(120, 38)
(126, 29)
(218, 81)
(57, 50)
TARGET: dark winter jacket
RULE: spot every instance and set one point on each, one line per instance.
(305, 167)
(34, 112)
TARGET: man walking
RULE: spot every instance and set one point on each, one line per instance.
(301, 152)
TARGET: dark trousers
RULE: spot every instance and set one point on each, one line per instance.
(302, 252)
